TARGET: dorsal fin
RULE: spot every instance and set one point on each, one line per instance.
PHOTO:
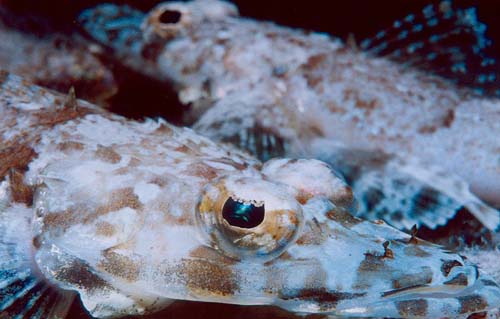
(447, 41)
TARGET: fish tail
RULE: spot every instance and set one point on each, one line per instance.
(115, 26)
(447, 41)
(24, 293)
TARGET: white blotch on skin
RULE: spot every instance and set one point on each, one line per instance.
(146, 191)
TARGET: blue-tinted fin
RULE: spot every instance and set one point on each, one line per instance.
(23, 292)
(405, 193)
(447, 41)
(115, 26)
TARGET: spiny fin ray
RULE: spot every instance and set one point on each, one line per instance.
(450, 42)
(405, 192)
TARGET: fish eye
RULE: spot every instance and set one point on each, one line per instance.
(170, 17)
(244, 215)
(249, 217)
(165, 22)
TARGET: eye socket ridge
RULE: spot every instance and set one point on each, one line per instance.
(243, 214)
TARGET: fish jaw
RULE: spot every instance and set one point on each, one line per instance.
(394, 273)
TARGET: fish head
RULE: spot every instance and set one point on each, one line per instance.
(280, 234)
(310, 255)
(129, 31)
(201, 48)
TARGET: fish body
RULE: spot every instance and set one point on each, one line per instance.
(134, 215)
(419, 147)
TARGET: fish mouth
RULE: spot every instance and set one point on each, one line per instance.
(316, 300)
(415, 298)
(464, 293)
(459, 279)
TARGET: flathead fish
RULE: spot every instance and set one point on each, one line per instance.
(132, 215)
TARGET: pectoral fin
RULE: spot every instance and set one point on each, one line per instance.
(24, 293)
(405, 192)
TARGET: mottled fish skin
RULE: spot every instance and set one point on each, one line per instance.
(274, 91)
(56, 62)
(132, 215)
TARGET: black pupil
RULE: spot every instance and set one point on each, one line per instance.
(242, 215)
(169, 16)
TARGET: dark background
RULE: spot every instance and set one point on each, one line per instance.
(362, 18)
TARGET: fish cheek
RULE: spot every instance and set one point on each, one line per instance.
(119, 265)
(205, 277)
(72, 273)
(80, 275)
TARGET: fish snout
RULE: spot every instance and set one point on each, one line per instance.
(461, 277)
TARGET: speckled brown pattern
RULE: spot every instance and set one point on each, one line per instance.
(130, 215)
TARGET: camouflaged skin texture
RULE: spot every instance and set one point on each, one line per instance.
(419, 142)
(128, 214)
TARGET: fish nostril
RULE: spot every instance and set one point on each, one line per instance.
(464, 276)
(447, 266)
(170, 17)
